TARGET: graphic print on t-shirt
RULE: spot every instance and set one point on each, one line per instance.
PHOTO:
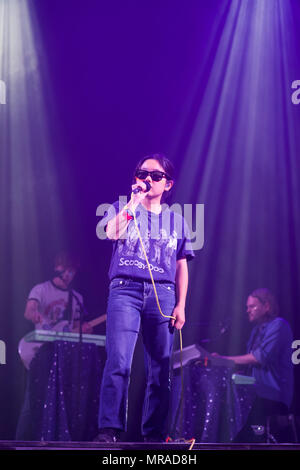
(159, 250)
(55, 312)
(165, 238)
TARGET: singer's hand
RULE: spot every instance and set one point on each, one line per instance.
(179, 317)
(138, 197)
(118, 225)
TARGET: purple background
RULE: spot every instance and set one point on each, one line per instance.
(206, 83)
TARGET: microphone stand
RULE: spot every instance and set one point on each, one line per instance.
(82, 310)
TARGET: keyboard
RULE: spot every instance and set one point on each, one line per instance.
(50, 335)
(196, 352)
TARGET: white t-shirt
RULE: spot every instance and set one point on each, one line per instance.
(52, 305)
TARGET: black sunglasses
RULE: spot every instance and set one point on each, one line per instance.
(156, 175)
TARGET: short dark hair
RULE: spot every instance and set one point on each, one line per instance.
(67, 259)
(164, 162)
(264, 295)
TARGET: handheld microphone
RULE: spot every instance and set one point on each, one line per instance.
(139, 189)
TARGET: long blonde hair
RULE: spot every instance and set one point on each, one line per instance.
(264, 295)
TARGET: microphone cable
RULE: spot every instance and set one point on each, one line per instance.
(189, 441)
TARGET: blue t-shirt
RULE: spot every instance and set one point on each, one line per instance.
(270, 344)
(165, 238)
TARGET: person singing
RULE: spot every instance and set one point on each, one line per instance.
(147, 237)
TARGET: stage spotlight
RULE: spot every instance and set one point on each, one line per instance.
(30, 203)
(241, 160)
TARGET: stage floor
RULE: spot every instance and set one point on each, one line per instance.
(139, 446)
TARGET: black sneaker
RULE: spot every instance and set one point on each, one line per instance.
(108, 435)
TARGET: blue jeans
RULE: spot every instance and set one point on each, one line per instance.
(131, 305)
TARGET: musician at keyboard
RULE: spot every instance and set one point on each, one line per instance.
(221, 402)
(268, 359)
